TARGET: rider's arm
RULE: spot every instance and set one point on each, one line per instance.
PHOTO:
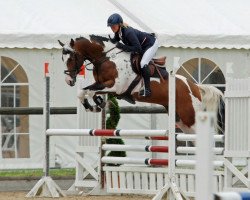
(133, 40)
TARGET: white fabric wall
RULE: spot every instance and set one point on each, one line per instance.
(62, 149)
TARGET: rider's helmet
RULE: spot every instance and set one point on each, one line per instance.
(114, 19)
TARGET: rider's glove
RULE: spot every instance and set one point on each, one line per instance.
(119, 45)
(113, 40)
(123, 47)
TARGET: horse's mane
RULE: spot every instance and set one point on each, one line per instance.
(99, 39)
(93, 48)
(81, 38)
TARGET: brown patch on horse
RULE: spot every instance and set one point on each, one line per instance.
(184, 106)
(87, 48)
(156, 89)
(159, 95)
(195, 89)
(106, 74)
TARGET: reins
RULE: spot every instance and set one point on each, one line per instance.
(104, 59)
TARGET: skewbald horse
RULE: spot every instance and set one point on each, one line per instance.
(113, 73)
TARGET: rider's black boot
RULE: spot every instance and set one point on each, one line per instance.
(146, 77)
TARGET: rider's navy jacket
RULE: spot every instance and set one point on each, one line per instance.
(136, 41)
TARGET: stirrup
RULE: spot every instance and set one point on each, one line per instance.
(145, 93)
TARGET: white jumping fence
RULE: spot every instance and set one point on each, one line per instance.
(178, 180)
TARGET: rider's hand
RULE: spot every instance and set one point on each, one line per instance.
(113, 40)
(119, 45)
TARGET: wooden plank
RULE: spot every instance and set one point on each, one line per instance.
(137, 180)
(130, 180)
(115, 182)
(108, 179)
(87, 166)
(183, 182)
(159, 181)
(144, 180)
(236, 172)
(122, 180)
(152, 181)
(190, 183)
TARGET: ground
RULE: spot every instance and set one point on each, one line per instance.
(21, 196)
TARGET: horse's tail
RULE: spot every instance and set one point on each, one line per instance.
(213, 100)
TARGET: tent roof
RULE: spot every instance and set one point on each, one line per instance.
(196, 24)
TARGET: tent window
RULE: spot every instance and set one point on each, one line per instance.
(203, 71)
(14, 93)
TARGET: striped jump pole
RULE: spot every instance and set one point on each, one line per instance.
(193, 163)
(232, 196)
(148, 148)
(106, 132)
(157, 138)
(127, 160)
(192, 137)
(193, 150)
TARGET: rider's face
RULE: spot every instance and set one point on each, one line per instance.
(115, 28)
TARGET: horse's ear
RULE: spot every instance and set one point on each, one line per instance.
(61, 43)
(72, 43)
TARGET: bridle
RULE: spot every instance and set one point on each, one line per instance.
(73, 72)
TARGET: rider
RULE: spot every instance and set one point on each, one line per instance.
(135, 41)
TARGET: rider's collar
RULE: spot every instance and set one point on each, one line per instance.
(120, 33)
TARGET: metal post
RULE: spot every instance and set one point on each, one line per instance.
(46, 187)
(47, 116)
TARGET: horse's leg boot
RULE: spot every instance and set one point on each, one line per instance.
(146, 77)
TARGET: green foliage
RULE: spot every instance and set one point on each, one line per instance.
(114, 116)
(111, 123)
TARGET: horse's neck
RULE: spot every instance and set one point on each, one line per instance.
(91, 50)
(123, 65)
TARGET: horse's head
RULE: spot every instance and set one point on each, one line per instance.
(82, 49)
(74, 62)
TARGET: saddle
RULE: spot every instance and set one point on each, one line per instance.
(160, 61)
(156, 66)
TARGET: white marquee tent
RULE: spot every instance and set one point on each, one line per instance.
(198, 23)
(214, 29)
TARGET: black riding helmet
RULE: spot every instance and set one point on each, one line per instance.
(114, 19)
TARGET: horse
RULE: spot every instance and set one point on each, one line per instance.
(113, 73)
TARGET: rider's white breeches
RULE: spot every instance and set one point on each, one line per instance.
(149, 54)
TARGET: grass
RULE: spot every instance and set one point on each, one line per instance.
(37, 173)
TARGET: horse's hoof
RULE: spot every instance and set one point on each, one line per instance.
(98, 100)
(103, 104)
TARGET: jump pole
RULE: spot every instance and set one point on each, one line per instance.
(46, 187)
(204, 166)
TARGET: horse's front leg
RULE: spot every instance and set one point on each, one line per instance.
(99, 101)
(83, 96)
